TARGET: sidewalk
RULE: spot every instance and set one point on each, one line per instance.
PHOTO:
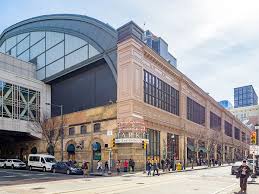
(168, 172)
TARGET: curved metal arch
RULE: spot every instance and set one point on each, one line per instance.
(29, 26)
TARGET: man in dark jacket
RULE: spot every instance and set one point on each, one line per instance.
(243, 173)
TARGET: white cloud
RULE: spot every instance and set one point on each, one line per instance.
(215, 41)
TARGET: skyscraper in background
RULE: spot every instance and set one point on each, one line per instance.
(225, 104)
(160, 46)
(245, 96)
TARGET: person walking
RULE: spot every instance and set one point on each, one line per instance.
(163, 165)
(149, 167)
(133, 165)
(126, 165)
(118, 167)
(99, 166)
(85, 168)
(243, 173)
(155, 168)
(106, 167)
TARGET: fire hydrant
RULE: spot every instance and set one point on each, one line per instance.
(179, 166)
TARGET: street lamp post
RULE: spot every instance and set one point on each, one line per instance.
(62, 131)
(173, 144)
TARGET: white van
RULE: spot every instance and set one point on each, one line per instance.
(41, 161)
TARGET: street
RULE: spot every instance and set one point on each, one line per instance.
(206, 181)
(15, 177)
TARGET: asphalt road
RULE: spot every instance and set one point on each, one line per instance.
(206, 181)
(16, 177)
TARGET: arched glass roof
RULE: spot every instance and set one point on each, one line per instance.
(50, 51)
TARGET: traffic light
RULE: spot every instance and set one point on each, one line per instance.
(253, 138)
(113, 142)
(144, 144)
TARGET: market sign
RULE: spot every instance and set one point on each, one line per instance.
(131, 132)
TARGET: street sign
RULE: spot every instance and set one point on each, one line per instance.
(109, 132)
(254, 149)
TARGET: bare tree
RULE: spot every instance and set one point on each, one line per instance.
(50, 129)
(200, 135)
(214, 139)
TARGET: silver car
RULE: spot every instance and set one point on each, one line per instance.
(236, 165)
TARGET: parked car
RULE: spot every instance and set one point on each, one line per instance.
(236, 165)
(67, 168)
(41, 161)
(14, 163)
(2, 161)
(251, 161)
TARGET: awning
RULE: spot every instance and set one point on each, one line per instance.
(202, 149)
(190, 147)
(71, 148)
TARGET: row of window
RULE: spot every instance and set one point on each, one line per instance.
(160, 94)
(83, 129)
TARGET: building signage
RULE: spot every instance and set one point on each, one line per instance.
(131, 132)
(254, 149)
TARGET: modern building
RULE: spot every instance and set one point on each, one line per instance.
(22, 99)
(112, 85)
(226, 104)
(160, 46)
(245, 96)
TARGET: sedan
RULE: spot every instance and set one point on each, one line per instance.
(14, 163)
(2, 161)
(64, 167)
(236, 165)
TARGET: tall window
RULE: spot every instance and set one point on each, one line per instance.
(237, 133)
(97, 127)
(71, 131)
(215, 121)
(160, 94)
(243, 137)
(195, 112)
(83, 129)
(153, 148)
(228, 129)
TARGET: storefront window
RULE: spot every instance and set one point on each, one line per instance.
(153, 148)
(172, 146)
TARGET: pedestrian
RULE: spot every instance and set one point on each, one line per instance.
(99, 166)
(106, 167)
(130, 165)
(149, 167)
(118, 167)
(163, 165)
(155, 168)
(243, 173)
(133, 165)
(85, 168)
(126, 165)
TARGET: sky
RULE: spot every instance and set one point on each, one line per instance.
(216, 42)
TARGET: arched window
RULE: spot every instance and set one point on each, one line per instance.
(71, 149)
(97, 152)
(51, 52)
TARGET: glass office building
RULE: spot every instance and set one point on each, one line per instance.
(226, 104)
(160, 46)
(245, 96)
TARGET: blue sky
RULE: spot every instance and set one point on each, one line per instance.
(216, 42)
